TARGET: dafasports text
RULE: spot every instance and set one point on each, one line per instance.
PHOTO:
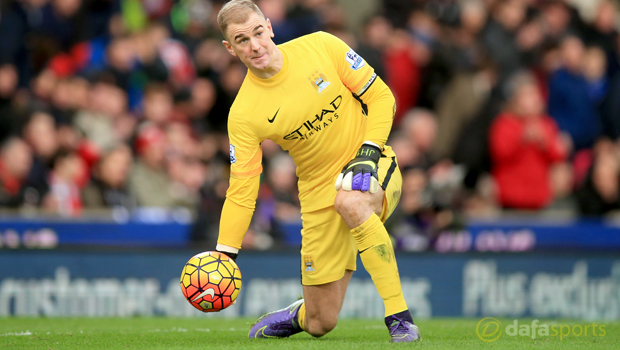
(490, 329)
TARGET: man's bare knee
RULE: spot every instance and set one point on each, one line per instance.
(349, 202)
(319, 326)
(355, 207)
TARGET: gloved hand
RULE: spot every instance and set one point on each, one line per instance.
(360, 174)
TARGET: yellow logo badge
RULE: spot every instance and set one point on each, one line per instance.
(489, 329)
(318, 80)
(308, 264)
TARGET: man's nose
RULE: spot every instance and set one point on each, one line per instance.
(254, 44)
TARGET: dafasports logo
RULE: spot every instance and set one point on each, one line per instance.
(490, 329)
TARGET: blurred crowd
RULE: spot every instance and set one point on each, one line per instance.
(502, 106)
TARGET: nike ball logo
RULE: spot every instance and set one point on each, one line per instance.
(274, 116)
(209, 291)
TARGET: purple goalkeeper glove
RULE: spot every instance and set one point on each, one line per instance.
(360, 174)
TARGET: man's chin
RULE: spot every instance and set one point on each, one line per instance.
(260, 63)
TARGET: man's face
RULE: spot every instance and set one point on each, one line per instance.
(251, 42)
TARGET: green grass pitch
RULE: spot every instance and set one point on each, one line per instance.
(170, 333)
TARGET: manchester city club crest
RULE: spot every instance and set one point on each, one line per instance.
(318, 80)
(308, 264)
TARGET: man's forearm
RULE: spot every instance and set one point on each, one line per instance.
(381, 108)
(234, 224)
(237, 211)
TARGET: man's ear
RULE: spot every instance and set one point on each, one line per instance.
(229, 47)
(270, 28)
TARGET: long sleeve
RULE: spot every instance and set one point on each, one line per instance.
(245, 169)
(381, 107)
(238, 210)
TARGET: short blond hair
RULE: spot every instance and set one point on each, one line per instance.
(236, 12)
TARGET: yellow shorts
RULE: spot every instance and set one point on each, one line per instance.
(327, 245)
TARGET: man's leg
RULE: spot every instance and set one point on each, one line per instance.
(328, 259)
(363, 213)
(322, 305)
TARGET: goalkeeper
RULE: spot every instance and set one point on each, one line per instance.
(321, 102)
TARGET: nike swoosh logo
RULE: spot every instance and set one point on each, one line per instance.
(274, 116)
(209, 291)
(262, 330)
(361, 251)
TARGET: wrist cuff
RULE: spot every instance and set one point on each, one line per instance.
(369, 151)
(226, 249)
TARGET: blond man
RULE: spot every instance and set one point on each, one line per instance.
(321, 102)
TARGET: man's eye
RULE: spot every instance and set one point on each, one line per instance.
(259, 33)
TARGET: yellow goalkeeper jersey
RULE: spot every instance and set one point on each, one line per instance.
(317, 108)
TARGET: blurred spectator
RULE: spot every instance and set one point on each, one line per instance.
(610, 110)
(499, 37)
(406, 153)
(211, 59)
(148, 180)
(402, 71)
(97, 17)
(64, 196)
(148, 60)
(562, 180)
(59, 20)
(420, 127)
(13, 31)
(570, 103)
(290, 19)
(8, 85)
(232, 78)
(185, 168)
(462, 49)
(188, 175)
(603, 33)
(173, 53)
(120, 56)
(397, 11)
(202, 102)
(157, 105)
(282, 181)
(376, 33)
(40, 134)
(213, 190)
(109, 184)
(436, 59)
(15, 163)
(192, 21)
(279, 203)
(600, 192)
(42, 87)
(107, 103)
(524, 143)
(556, 18)
(63, 102)
(411, 222)
(458, 104)
(595, 72)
